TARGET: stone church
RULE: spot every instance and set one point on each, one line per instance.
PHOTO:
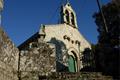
(55, 52)
(68, 42)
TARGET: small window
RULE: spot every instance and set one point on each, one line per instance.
(68, 38)
(65, 36)
(72, 41)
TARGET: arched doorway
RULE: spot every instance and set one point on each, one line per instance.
(73, 60)
(72, 64)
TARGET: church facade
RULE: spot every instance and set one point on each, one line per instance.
(65, 38)
(55, 52)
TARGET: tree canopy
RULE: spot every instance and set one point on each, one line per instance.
(107, 49)
(111, 12)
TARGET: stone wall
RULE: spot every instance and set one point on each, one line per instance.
(39, 58)
(34, 75)
(36, 63)
(8, 58)
(78, 76)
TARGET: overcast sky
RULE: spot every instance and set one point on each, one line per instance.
(22, 18)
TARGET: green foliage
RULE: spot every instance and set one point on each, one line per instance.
(106, 52)
(111, 12)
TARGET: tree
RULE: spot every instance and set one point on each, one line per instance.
(108, 47)
(88, 60)
(111, 12)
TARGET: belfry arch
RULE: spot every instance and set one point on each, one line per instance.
(72, 19)
(67, 16)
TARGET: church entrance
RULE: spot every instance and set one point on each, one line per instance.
(72, 64)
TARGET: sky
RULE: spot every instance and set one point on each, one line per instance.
(22, 18)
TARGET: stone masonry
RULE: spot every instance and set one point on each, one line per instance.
(48, 53)
(8, 58)
(38, 60)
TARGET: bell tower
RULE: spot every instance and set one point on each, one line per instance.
(68, 15)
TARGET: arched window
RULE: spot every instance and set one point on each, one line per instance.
(67, 15)
(72, 19)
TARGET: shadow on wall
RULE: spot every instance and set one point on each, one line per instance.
(61, 55)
